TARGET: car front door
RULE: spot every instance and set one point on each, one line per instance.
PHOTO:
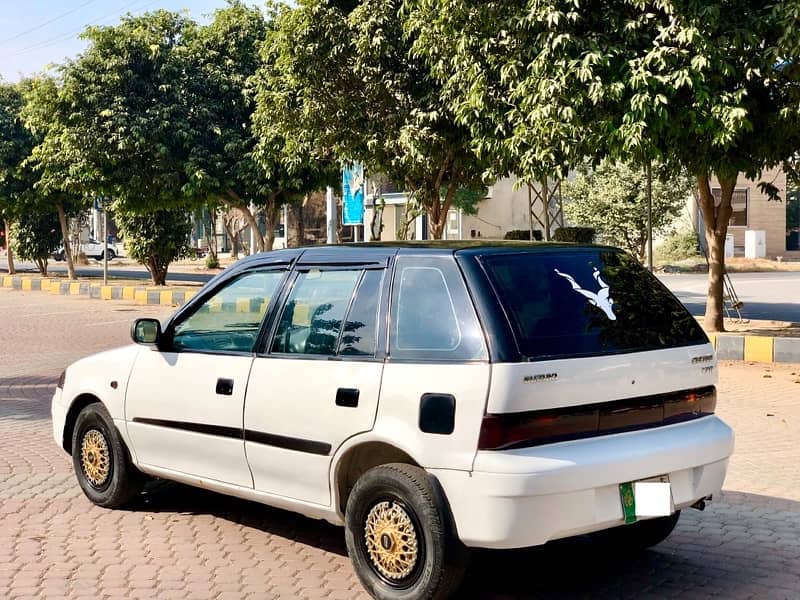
(317, 381)
(185, 401)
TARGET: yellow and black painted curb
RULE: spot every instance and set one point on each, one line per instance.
(137, 294)
(756, 348)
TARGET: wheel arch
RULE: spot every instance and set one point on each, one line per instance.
(80, 402)
(360, 458)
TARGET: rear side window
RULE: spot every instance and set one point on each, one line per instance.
(585, 303)
(360, 327)
(312, 317)
(432, 315)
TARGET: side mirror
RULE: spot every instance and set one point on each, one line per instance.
(146, 331)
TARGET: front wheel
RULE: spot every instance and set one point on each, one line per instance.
(640, 535)
(399, 537)
(102, 465)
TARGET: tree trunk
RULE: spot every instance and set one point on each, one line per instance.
(158, 272)
(236, 201)
(9, 249)
(233, 236)
(62, 220)
(41, 264)
(715, 226)
(439, 208)
(272, 214)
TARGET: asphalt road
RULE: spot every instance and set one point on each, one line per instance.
(118, 269)
(178, 542)
(771, 296)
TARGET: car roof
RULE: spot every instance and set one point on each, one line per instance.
(379, 253)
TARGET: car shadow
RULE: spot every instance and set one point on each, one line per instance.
(709, 553)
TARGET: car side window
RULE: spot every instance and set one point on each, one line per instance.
(230, 320)
(359, 337)
(312, 316)
(432, 317)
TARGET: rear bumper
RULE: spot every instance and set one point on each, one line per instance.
(525, 497)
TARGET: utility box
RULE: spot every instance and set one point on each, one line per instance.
(729, 245)
(755, 243)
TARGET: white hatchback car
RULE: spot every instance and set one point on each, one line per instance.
(430, 398)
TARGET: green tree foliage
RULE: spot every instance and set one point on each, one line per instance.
(155, 238)
(59, 172)
(612, 200)
(36, 237)
(15, 146)
(339, 79)
(712, 87)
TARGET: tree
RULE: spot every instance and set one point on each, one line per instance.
(59, 173)
(340, 82)
(15, 146)
(612, 200)
(35, 237)
(155, 238)
(711, 87)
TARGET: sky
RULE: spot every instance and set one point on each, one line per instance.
(35, 33)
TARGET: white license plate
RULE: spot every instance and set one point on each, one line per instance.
(653, 498)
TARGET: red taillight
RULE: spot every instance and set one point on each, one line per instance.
(61, 379)
(519, 430)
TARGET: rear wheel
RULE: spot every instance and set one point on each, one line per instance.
(102, 465)
(399, 537)
(640, 535)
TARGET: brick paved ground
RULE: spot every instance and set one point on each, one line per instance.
(178, 542)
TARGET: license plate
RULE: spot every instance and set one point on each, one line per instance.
(648, 498)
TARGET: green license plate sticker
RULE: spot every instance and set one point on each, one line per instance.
(628, 502)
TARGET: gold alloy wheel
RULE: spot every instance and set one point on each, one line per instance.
(95, 457)
(391, 540)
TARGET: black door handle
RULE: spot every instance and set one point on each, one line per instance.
(225, 387)
(347, 397)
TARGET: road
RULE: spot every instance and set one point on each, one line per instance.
(180, 542)
(771, 296)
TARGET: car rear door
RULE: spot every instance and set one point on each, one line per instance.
(316, 381)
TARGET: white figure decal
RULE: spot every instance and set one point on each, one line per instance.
(601, 299)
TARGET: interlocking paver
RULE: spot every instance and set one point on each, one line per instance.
(179, 542)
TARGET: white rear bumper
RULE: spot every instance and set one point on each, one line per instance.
(520, 498)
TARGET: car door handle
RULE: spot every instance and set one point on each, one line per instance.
(225, 387)
(347, 397)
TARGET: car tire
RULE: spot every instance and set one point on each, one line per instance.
(111, 255)
(399, 535)
(101, 460)
(640, 535)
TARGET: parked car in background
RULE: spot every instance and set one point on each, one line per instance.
(91, 249)
(429, 397)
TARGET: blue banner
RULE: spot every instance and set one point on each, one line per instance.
(353, 194)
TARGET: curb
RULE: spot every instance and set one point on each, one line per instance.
(756, 348)
(136, 294)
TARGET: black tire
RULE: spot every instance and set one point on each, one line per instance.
(59, 256)
(111, 255)
(640, 535)
(102, 464)
(409, 503)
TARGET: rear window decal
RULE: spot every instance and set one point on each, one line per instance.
(600, 299)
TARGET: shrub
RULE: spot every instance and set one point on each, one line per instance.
(523, 234)
(679, 246)
(36, 237)
(578, 235)
(212, 262)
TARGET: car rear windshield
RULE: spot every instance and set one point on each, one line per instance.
(587, 302)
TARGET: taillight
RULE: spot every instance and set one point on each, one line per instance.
(61, 379)
(520, 430)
